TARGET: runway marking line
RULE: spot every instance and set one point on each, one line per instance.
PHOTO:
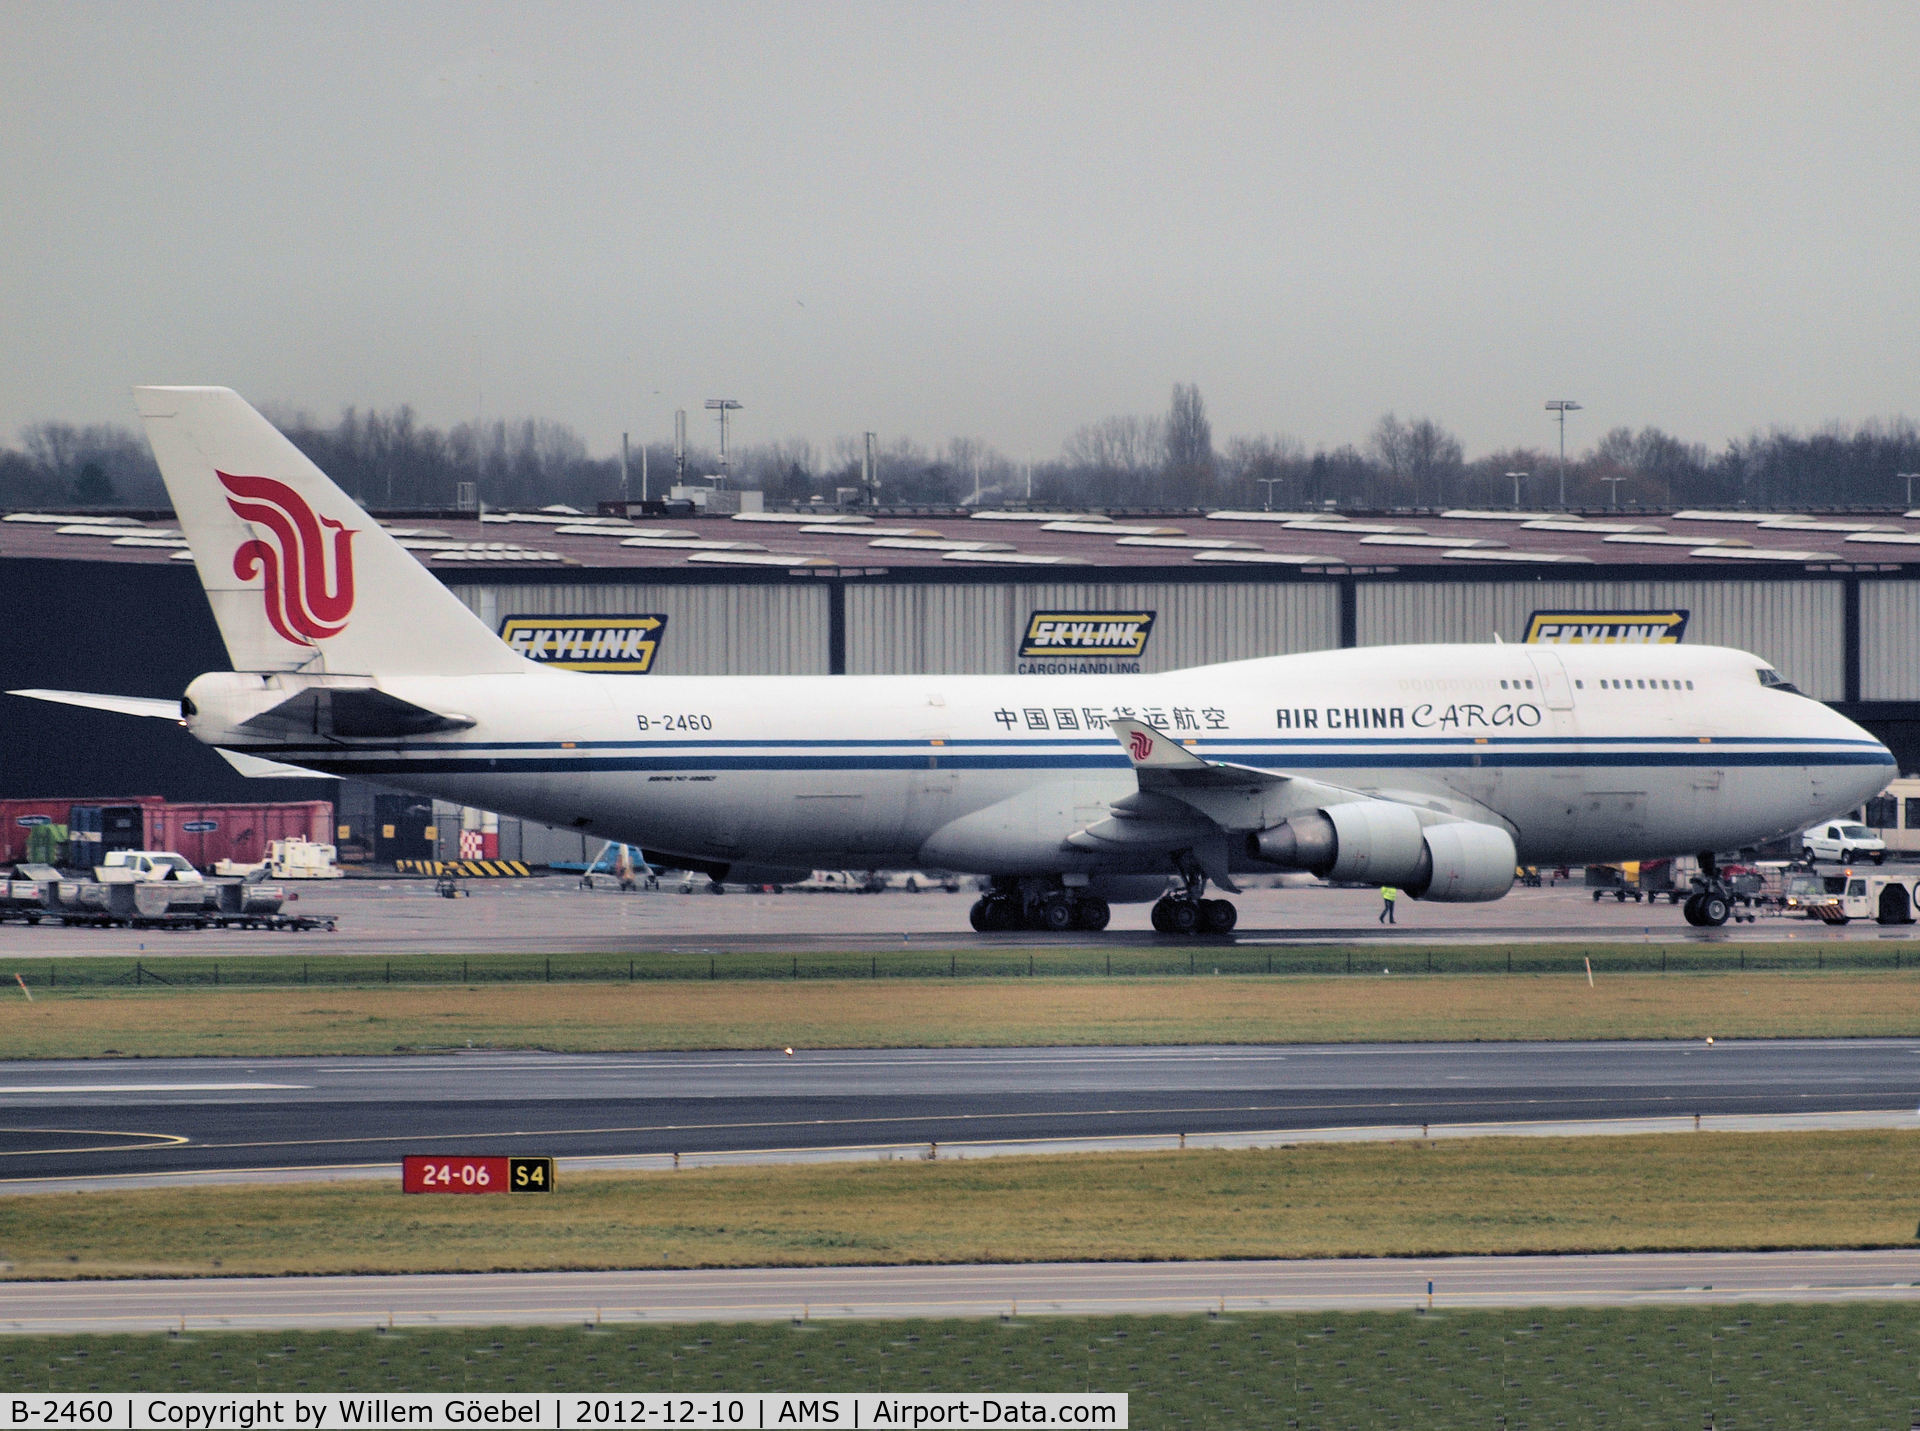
(22, 1088)
(158, 1140)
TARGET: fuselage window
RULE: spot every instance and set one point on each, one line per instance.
(1579, 685)
(1689, 685)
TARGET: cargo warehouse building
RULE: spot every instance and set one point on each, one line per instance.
(113, 605)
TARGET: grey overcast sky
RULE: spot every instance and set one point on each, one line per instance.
(991, 220)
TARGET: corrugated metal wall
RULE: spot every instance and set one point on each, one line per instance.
(1797, 625)
(1890, 640)
(749, 630)
(977, 629)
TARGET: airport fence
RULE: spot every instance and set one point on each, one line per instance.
(159, 972)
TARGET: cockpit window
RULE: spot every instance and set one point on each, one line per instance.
(1774, 681)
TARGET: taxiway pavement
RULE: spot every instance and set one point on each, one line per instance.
(1037, 1289)
(553, 912)
(95, 1123)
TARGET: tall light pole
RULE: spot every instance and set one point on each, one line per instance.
(1269, 483)
(1909, 478)
(723, 406)
(1561, 407)
(1517, 478)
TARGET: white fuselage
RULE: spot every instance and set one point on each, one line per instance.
(1584, 753)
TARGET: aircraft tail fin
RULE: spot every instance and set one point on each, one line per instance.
(299, 577)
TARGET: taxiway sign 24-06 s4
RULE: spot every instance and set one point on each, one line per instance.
(1433, 768)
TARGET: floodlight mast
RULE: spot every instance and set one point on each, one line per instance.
(1561, 407)
(723, 406)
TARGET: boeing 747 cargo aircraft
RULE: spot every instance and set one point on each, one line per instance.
(1433, 768)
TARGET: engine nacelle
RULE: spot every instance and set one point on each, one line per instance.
(1468, 862)
(1365, 841)
(1380, 842)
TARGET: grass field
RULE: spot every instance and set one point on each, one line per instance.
(1750, 1366)
(1684, 1191)
(919, 1013)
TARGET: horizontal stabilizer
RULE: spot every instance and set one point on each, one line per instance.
(256, 767)
(357, 712)
(120, 705)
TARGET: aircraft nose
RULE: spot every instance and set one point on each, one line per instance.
(1873, 776)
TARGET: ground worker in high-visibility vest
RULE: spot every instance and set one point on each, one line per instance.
(1388, 894)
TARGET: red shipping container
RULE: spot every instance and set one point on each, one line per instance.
(207, 834)
(18, 817)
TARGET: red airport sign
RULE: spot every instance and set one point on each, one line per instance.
(422, 1173)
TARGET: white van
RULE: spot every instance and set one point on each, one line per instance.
(146, 867)
(1844, 842)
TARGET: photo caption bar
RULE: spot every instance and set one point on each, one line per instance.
(326, 1411)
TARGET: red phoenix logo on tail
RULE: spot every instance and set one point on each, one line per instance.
(1140, 745)
(305, 601)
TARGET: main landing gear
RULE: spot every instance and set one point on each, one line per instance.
(1038, 904)
(1183, 911)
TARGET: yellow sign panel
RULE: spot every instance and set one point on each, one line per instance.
(1606, 628)
(1120, 635)
(587, 643)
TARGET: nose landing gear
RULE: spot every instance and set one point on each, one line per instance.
(1711, 903)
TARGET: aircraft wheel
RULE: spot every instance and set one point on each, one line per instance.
(983, 915)
(1714, 910)
(1158, 916)
(1093, 914)
(1219, 915)
(716, 888)
(1691, 909)
(1055, 916)
(1183, 916)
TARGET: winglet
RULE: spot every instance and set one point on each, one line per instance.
(1151, 749)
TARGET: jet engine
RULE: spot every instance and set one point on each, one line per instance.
(1379, 842)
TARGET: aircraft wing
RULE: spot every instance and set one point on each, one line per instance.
(1234, 797)
(119, 705)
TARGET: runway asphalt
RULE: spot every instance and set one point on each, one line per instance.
(1040, 1289)
(552, 912)
(91, 1123)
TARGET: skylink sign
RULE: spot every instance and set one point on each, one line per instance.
(587, 643)
(1064, 643)
(1606, 628)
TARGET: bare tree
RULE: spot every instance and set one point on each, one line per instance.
(1433, 458)
(1131, 446)
(1190, 460)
